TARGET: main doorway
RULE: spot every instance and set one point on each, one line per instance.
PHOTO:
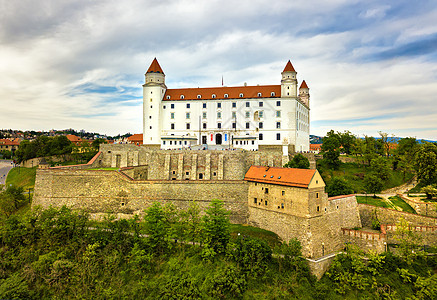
(218, 139)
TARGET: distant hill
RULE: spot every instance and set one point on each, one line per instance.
(314, 139)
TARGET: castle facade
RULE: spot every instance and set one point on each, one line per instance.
(245, 117)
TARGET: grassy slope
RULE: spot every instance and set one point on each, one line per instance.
(396, 200)
(22, 177)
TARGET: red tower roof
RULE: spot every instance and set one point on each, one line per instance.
(155, 67)
(303, 85)
(289, 67)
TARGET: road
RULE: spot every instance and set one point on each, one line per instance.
(5, 166)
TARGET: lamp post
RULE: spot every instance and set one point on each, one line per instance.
(385, 246)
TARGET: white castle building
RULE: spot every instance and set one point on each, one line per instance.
(248, 117)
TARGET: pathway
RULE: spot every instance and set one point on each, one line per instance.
(5, 167)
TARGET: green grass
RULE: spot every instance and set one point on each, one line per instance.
(22, 177)
(354, 174)
(270, 237)
(378, 201)
(396, 200)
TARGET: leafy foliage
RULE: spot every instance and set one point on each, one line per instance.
(338, 186)
(298, 161)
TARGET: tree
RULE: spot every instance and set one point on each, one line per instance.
(156, 227)
(298, 161)
(372, 184)
(408, 240)
(11, 200)
(331, 149)
(347, 141)
(216, 229)
(430, 191)
(338, 186)
(426, 163)
(369, 149)
(385, 143)
(380, 168)
(96, 143)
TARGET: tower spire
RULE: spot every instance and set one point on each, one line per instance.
(155, 67)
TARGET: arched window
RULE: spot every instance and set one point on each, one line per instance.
(199, 96)
(226, 95)
(259, 94)
(182, 97)
(272, 94)
(168, 96)
(241, 95)
(213, 95)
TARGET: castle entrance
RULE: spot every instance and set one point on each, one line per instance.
(218, 139)
(203, 139)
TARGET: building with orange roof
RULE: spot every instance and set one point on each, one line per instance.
(293, 203)
(315, 148)
(8, 144)
(74, 139)
(136, 139)
(247, 117)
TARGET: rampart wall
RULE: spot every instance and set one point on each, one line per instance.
(391, 216)
(422, 208)
(318, 235)
(99, 191)
(365, 240)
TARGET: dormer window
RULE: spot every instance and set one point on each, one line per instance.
(226, 95)
(168, 96)
(213, 96)
(264, 176)
(182, 97)
(272, 94)
(241, 95)
(199, 96)
(259, 94)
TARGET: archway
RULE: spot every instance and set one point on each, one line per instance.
(218, 139)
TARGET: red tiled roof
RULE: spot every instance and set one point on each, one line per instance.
(136, 138)
(289, 67)
(9, 142)
(73, 138)
(280, 176)
(219, 92)
(315, 146)
(303, 85)
(155, 67)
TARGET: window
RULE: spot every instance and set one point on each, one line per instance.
(187, 115)
(261, 104)
(204, 115)
(200, 176)
(188, 125)
(278, 114)
(213, 95)
(265, 202)
(253, 142)
(278, 103)
(247, 125)
(219, 125)
(260, 137)
(261, 114)
(171, 105)
(182, 97)
(219, 115)
(234, 125)
(150, 117)
(150, 127)
(199, 96)
(266, 190)
(226, 95)
(278, 136)
(247, 114)
(241, 95)
(188, 105)
(187, 173)
(283, 193)
(247, 104)
(282, 205)
(318, 208)
(259, 94)
(278, 125)
(171, 142)
(185, 142)
(203, 105)
(272, 94)
(234, 115)
(164, 107)
(260, 125)
(180, 142)
(317, 195)
(163, 142)
(234, 104)
(204, 125)
(219, 105)
(168, 96)
(255, 200)
(172, 126)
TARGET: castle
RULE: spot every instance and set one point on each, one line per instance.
(241, 117)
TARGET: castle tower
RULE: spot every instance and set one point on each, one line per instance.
(153, 91)
(304, 93)
(289, 82)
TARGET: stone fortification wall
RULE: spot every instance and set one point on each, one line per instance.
(30, 163)
(100, 191)
(391, 216)
(365, 240)
(422, 208)
(187, 164)
(427, 233)
(311, 231)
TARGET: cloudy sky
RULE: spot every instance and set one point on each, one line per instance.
(371, 65)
